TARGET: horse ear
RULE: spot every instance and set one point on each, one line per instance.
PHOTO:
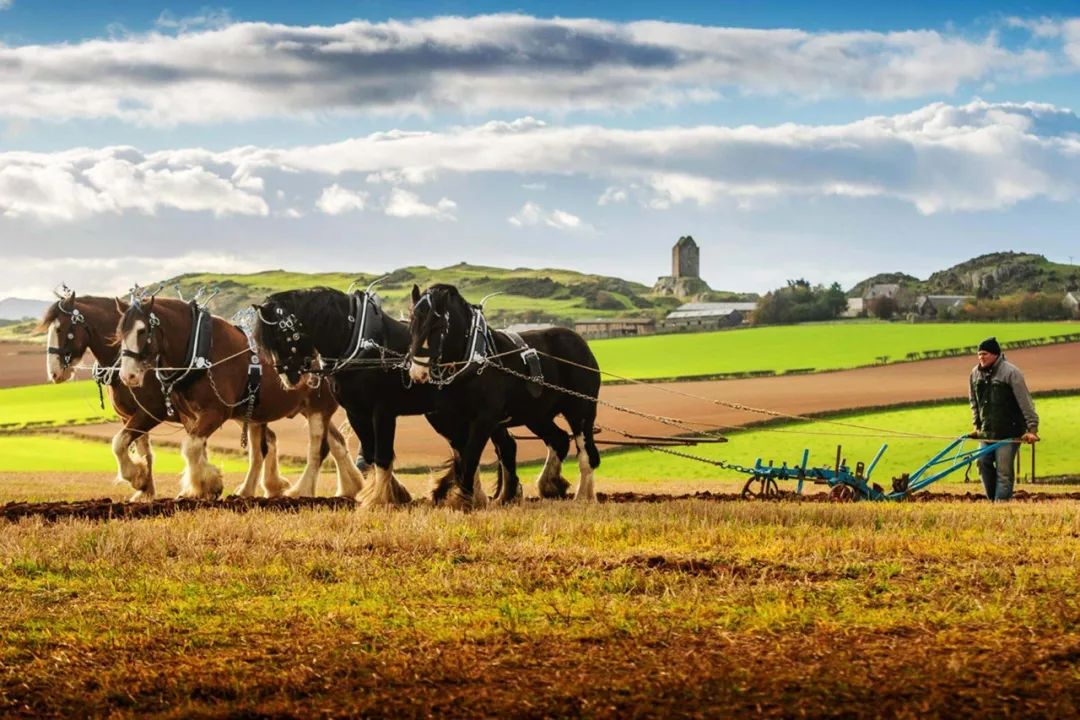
(415, 293)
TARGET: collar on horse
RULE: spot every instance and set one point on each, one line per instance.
(197, 354)
(366, 322)
(479, 346)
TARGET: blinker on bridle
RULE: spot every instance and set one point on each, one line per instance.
(65, 351)
(290, 327)
(144, 352)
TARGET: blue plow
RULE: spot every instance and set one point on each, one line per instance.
(848, 484)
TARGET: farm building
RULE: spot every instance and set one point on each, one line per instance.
(1072, 302)
(855, 308)
(709, 316)
(615, 327)
(880, 290)
(939, 305)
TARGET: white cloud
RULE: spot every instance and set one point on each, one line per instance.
(5, 4)
(612, 196)
(405, 204)
(978, 156)
(72, 185)
(112, 276)
(213, 70)
(336, 200)
(532, 214)
(534, 186)
(1071, 32)
(207, 18)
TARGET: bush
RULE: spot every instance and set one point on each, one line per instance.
(800, 302)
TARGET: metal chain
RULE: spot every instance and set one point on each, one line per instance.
(673, 422)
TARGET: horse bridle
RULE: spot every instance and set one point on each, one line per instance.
(65, 352)
(291, 329)
(143, 354)
(433, 362)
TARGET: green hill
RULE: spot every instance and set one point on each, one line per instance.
(526, 295)
(992, 275)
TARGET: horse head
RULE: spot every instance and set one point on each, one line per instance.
(68, 336)
(439, 316)
(140, 336)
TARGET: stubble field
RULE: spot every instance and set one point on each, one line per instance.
(684, 607)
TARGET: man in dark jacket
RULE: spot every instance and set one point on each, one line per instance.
(1002, 409)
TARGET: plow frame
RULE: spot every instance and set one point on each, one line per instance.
(848, 484)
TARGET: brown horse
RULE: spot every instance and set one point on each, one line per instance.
(156, 334)
(77, 324)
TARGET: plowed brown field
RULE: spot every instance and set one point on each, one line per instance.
(1056, 367)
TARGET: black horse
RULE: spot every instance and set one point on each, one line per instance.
(497, 379)
(349, 340)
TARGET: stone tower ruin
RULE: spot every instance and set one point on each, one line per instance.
(685, 258)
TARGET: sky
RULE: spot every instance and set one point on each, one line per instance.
(791, 139)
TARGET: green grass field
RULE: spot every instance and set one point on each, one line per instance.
(70, 403)
(824, 346)
(60, 453)
(1056, 455)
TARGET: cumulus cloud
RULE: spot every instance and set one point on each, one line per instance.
(940, 157)
(336, 200)
(404, 204)
(612, 196)
(532, 214)
(108, 276)
(77, 184)
(213, 70)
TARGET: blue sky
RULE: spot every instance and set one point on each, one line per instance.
(829, 141)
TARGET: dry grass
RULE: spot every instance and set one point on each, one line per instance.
(551, 608)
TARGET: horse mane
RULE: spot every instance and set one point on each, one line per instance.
(52, 314)
(319, 307)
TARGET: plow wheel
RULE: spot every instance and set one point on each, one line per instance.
(843, 493)
(760, 487)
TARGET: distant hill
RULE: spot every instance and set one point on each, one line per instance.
(991, 275)
(19, 309)
(524, 295)
(897, 278)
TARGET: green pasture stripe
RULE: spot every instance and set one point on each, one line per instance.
(59, 453)
(824, 346)
(1057, 453)
(70, 403)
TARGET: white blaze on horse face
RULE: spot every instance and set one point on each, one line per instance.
(55, 369)
(131, 373)
(419, 372)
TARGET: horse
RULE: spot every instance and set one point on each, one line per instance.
(350, 341)
(494, 379)
(209, 374)
(89, 323)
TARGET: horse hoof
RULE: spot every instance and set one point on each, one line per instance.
(276, 487)
(142, 496)
(458, 499)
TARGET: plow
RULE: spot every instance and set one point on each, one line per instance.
(847, 484)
